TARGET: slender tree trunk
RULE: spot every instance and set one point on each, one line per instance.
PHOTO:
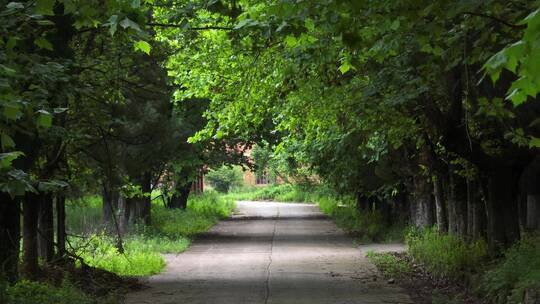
(10, 236)
(46, 227)
(30, 234)
(440, 208)
(61, 226)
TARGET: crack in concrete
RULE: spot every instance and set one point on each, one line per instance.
(267, 282)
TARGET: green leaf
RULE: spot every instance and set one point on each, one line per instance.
(245, 23)
(291, 41)
(309, 24)
(395, 25)
(44, 119)
(6, 141)
(127, 23)
(345, 67)
(15, 5)
(143, 46)
(135, 3)
(11, 111)
(11, 43)
(52, 185)
(113, 24)
(45, 7)
(534, 142)
(43, 43)
(7, 158)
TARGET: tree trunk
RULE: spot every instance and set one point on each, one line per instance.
(180, 198)
(124, 206)
(423, 202)
(362, 203)
(141, 206)
(501, 205)
(10, 235)
(110, 206)
(476, 226)
(385, 210)
(440, 208)
(46, 227)
(61, 226)
(457, 204)
(533, 212)
(30, 227)
(530, 196)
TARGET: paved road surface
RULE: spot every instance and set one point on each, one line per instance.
(271, 253)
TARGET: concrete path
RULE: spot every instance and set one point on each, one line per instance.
(271, 253)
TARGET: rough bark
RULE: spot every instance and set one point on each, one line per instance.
(46, 227)
(457, 204)
(440, 206)
(423, 202)
(30, 233)
(476, 226)
(10, 235)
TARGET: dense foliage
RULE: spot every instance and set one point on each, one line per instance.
(418, 111)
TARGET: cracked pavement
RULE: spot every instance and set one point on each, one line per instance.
(271, 253)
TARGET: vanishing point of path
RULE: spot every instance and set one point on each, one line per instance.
(277, 253)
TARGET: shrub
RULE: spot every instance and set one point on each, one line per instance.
(27, 292)
(445, 255)
(224, 178)
(516, 274)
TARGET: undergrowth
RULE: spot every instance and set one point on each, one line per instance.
(279, 193)
(517, 275)
(390, 265)
(368, 227)
(28, 292)
(445, 255)
(170, 232)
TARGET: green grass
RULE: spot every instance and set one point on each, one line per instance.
(27, 292)
(170, 232)
(445, 255)
(390, 265)
(516, 274)
(279, 193)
